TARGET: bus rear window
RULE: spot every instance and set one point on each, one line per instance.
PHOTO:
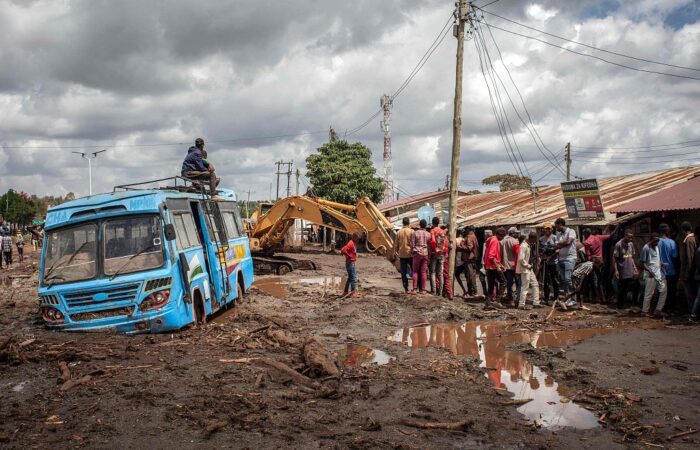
(132, 244)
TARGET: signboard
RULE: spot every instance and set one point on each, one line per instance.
(582, 199)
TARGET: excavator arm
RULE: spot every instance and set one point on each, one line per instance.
(268, 233)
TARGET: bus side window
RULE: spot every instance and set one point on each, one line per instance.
(239, 222)
(231, 229)
(185, 231)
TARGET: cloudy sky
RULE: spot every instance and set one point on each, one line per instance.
(144, 78)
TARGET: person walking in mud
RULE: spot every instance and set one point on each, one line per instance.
(7, 250)
(350, 252)
(19, 243)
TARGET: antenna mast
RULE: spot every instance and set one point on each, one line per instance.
(386, 103)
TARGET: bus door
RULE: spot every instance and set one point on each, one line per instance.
(191, 244)
(218, 248)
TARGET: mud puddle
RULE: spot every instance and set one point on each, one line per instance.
(275, 286)
(550, 404)
(327, 282)
(279, 286)
(354, 355)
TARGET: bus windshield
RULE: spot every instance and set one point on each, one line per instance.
(132, 244)
(71, 254)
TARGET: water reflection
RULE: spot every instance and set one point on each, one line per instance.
(279, 286)
(509, 369)
(354, 355)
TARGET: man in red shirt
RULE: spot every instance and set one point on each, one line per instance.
(350, 252)
(494, 267)
(438, 241)
(593, 246)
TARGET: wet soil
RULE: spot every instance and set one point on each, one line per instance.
(250, 377)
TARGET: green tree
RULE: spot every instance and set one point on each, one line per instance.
(343, 173)
(17, 207)
(508, 182)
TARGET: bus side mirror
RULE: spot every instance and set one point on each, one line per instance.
(170, 231)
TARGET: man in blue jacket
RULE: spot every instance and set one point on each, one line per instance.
(195, 167)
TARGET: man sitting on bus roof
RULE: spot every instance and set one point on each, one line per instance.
(195, 167)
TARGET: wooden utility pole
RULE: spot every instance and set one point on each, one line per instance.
(463, 16)
(298, 175)
(568, 161)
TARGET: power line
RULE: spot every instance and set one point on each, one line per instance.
(417, 68)
(492, 74)
(506, 143)
(634, 156)
(593, 56)
(594, 161)
(534, 133)
(586, 45)
(695, 143)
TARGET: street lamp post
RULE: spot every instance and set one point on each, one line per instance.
(90, 158)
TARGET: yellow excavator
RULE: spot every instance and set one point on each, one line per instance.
(272, 223)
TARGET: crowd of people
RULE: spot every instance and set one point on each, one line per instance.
(530, 270)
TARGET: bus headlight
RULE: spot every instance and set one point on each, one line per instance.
(52, 315)
(155, 300)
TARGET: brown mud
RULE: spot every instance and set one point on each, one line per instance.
(297, 366)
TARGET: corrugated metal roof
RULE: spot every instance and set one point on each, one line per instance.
(682, 196)
(426, 196)
(516, 207)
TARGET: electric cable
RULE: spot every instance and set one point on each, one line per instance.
(585, 45)
(593, 56)
(493, 74)
(522, 101)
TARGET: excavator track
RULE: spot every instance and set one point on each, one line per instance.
(281, 265)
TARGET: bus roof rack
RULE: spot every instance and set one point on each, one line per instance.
(184, 185)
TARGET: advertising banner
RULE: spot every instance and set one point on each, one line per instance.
(582, 199)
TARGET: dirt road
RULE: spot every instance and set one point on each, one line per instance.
(405, 372)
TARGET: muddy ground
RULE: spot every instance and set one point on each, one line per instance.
(256, 377)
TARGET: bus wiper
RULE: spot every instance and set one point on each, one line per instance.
(55, 265)
(128, 261)
(58, 276)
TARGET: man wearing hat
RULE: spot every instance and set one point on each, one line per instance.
(548, 259)
(195, 167)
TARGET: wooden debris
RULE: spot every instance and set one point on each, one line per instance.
(26, 343)
(295, 376)
(75, 382)
(463, 425)
(237, 360)
(319, 360)
(65, 371)
(684, 433)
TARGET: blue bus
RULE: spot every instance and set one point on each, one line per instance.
(142, 260)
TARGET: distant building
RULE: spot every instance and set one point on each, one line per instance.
(396, 210)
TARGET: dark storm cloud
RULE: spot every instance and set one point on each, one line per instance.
(138, 72)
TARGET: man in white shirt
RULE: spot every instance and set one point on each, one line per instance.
(654, 277)
(566, 245)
